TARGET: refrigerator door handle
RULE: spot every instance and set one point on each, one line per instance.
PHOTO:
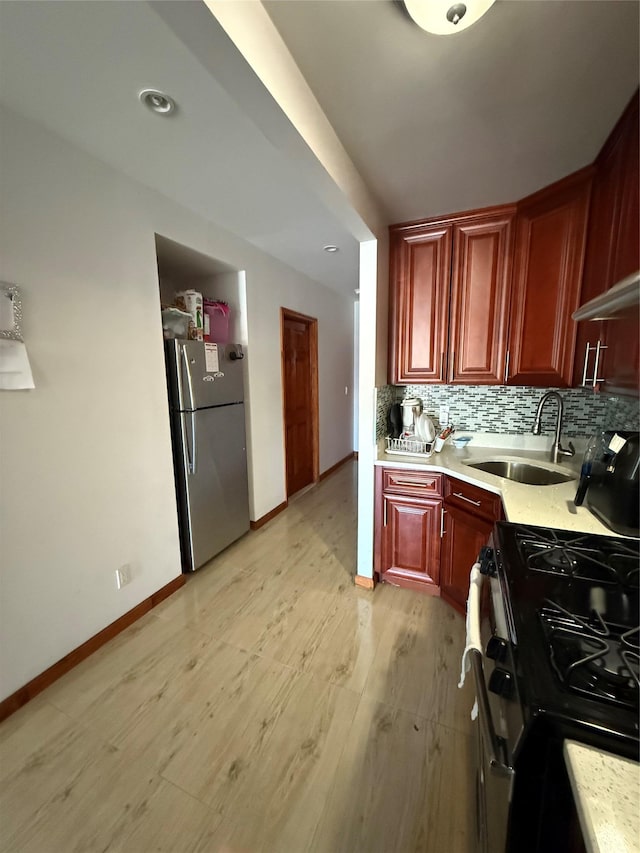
(193, 442)
(185, 359)
(187, 445)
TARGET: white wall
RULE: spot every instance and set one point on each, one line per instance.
(356, 372)
(85, 464)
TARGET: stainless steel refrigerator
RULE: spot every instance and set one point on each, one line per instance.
(206, 394)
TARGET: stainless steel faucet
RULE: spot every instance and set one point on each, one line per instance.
(557, 450)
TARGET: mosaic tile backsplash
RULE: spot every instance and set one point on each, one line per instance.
(510, 409)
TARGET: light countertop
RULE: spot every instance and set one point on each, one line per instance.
(545, 506)
(606, 791)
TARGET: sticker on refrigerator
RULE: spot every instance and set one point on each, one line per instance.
(211, 360)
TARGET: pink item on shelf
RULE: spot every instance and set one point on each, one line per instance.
(216, 321)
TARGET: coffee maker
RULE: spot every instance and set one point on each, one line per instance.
(411, 408)
(610, 480)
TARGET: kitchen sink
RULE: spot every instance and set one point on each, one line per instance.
(523, 472)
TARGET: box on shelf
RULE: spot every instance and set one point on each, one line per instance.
(216, 321)
(191, 302)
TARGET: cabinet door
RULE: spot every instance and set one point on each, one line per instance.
(598, 266)
(621, 365)
(480, 279)
(419, 309)
(612, 252)
(464, 535)
(411, 542)
(626, 259)
(548, 261)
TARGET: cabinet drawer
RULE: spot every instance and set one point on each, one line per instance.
(473, 499)
(408, 482)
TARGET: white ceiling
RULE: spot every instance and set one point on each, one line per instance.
(77, 67)
(434, 124)
(176, 261)
(437, 124)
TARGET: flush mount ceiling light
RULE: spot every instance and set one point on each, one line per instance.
(331, 248)
(444, 17)
(157, 101)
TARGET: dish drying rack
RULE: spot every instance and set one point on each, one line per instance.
(409, 446)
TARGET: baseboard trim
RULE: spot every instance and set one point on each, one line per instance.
(364, 582)
(256, 525)
(12, 703)
(335, 467)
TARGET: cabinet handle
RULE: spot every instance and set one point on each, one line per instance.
(442, 365)
(586, 365)
(506, 366)
(413, 483)
(384, 504)
(599, 348)
(442, 530)
(468, 500)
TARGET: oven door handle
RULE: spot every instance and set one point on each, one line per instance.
(489, 737)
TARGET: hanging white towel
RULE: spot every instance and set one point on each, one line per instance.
(473, 641)
(15, 370)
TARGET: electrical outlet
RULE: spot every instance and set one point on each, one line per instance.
(123, 575)
(443, 417)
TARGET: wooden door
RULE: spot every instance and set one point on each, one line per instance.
(464, 535)
(480, 280)
(419, 303)
(411, 542)
(548, 261)
(300, 392)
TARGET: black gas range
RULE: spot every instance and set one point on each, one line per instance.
(561, 661)
(572, 601)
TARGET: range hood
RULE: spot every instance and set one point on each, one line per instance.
(618, 299)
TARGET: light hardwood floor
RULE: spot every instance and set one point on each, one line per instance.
(268, 705)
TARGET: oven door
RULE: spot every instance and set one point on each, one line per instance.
(493, 797)
(494, 770)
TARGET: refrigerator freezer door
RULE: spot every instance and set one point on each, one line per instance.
(212, 483)
(203, 375)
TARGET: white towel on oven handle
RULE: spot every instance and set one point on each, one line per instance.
(473, 641)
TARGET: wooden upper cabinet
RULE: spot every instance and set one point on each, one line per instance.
(598, 265)
(612, 253)
(480, 280)
(621, 363)
(419, 303)
(626, 251)
(621, 335)
(548, 261)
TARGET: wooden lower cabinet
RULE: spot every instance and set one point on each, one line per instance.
(464, 535)
(425, 543)
(408, 529)
(411, 542)
(469, 514)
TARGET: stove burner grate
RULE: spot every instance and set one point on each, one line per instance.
(564, 554)
(592, 657)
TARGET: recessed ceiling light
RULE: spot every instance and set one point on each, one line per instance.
(157, 101)
(331, 248)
